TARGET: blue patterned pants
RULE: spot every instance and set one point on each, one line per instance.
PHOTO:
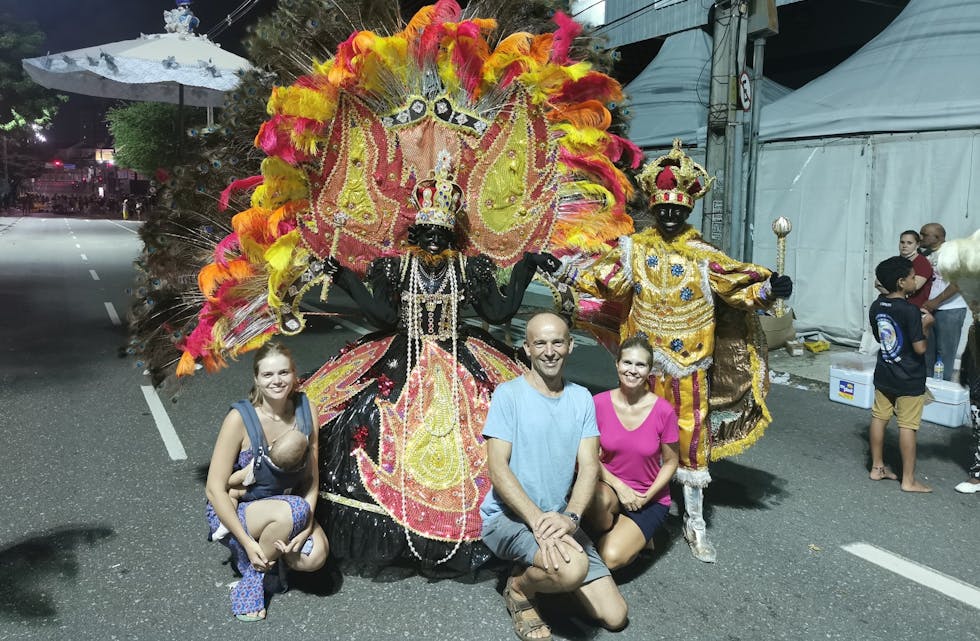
(249, 594)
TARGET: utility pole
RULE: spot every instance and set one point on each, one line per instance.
(721, 157)
(763, 22)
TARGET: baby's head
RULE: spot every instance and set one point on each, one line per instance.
(288, 452)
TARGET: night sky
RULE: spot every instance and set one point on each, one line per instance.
(72, 24)
(812, 40)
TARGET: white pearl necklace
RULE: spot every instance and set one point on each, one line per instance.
(417, 299)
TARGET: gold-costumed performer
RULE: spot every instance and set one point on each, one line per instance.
(697, 308)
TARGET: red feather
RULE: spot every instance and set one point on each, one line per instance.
(591, 86)
(599, 167)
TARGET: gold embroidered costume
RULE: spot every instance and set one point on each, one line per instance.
(697, 307)
(669, 287)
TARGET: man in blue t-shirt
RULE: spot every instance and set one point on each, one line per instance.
(900, 373)
(538, 428)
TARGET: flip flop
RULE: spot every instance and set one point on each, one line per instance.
(524, 625)
(251, 617)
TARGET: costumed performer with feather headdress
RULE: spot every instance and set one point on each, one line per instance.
(403, 462)
(481, 156)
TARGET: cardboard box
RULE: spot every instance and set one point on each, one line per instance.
(778, 329)
(951, 404)
(852, 387)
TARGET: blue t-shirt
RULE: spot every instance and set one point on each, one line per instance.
(544, 434)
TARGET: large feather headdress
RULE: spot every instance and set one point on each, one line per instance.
(525, 126)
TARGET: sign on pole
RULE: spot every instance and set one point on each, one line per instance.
(745, 91)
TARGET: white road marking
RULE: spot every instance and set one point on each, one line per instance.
(78, 246)
(167, 432)
(95, 276)
(132, 231)
(921, 574)
(84, 257)
(113, 316)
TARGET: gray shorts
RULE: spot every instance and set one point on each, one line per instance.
(511, 539)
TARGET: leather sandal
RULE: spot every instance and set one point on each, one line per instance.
(524, 624)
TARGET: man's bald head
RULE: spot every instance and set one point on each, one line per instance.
(933, 235)
(542, 320)
(547, 342)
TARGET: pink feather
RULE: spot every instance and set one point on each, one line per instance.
(618, 147)
(444, 11)
(566, 33)
(466, 56)
(229, 245)
(238, 185)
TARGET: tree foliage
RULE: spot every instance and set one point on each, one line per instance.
(145, 135)
(24, 104)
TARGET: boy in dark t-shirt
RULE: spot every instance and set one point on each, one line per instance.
(900, 373)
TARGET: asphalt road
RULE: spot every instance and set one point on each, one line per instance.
(103, 537)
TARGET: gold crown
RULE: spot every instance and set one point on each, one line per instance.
(675, 178)
(438, 198)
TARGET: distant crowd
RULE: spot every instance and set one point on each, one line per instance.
(80, 205)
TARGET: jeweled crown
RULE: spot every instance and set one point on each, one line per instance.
(675, 179)
(438, 198)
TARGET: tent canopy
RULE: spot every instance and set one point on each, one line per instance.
(919, 74)
(669, 99)
(888, 140)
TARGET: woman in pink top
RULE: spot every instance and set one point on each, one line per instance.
(638, 436)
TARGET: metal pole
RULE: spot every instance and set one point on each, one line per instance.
(723, 122)
(758, 56)
(712, 224)
(180, 118)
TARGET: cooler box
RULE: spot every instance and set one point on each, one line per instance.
(852, 380)
(951, 406)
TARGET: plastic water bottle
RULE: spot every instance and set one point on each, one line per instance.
(937, 369)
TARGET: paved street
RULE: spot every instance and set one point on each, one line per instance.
(103, 535)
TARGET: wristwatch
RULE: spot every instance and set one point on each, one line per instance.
(574, 517)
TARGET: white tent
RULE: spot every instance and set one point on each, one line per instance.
(669, 99)
(886, 141)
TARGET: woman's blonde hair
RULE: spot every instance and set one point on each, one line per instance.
(272, 348)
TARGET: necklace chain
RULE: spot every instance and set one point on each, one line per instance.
(416, 301)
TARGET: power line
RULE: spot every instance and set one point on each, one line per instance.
(232, 18)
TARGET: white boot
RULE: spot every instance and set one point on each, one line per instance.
(695, 529)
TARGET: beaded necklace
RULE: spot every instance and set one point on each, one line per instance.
(415, 300)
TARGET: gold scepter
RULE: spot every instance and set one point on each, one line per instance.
(781, 227)
(339, 220)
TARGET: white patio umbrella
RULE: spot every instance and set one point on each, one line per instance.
(179, 67)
